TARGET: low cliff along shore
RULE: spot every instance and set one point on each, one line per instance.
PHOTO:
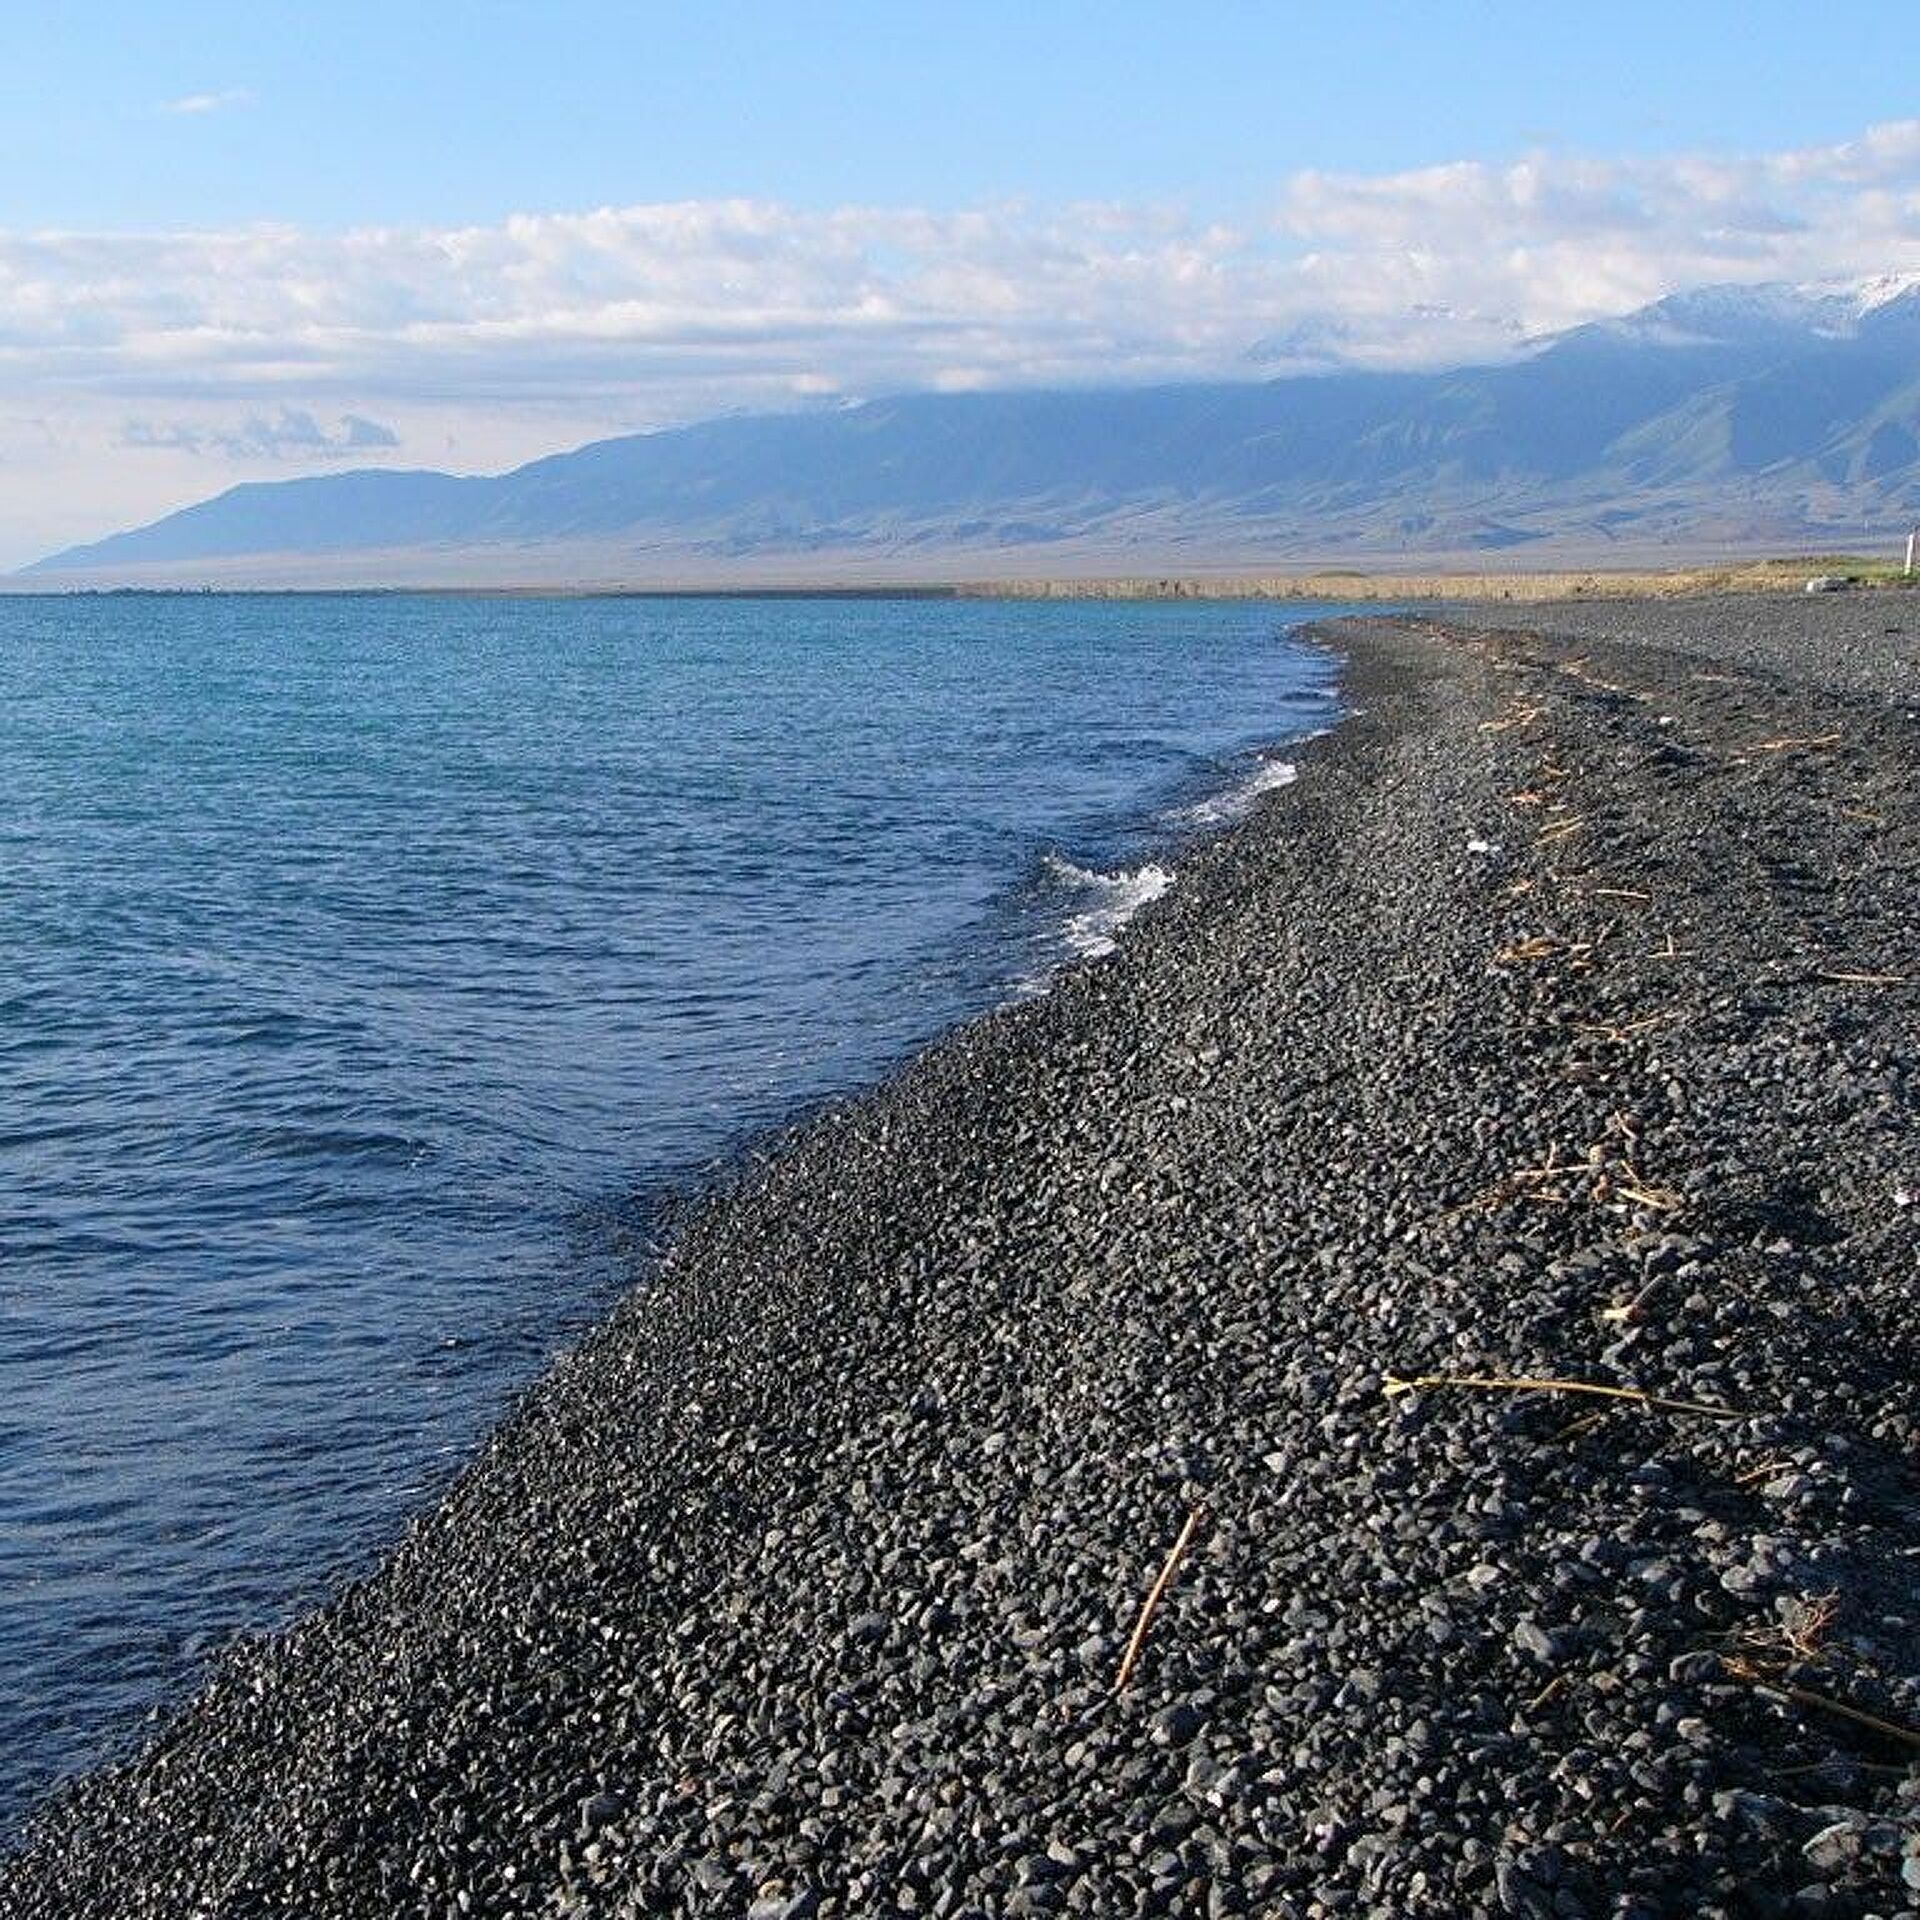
(1398, 1392)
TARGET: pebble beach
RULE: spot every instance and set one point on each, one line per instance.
(1396, 1392)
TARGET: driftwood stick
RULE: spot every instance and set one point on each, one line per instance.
(1794, 743)
(1503, 1383)
(1806, 1697)
(1130, 1658)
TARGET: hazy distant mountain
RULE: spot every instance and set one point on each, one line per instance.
(1731, 416)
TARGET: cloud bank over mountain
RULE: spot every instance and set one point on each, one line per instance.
(1722, 419)
(141, 370)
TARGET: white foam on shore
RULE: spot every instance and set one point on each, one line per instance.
(1113, 900)
(1223, 809)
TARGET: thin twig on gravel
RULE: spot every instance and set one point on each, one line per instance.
(1523, 1183)
(1542, 946)
(1505, 1383)
(1612, 1178)
(1557, 1685)
(1580, 670)
(1628, 1312)
(1636, 1192)
(1806, 1697)
(1869, 979)
(1800, 1633)
(1794, 743)
(1138, 1638)
(1627, 1031)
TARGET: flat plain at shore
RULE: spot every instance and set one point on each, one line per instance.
(1557, 1026)
(1493, 586)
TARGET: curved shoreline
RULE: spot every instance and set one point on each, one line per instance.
(1554, 1024)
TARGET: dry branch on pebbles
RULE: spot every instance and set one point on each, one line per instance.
(802, 1589)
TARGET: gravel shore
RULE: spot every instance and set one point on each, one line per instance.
(1557, 1025)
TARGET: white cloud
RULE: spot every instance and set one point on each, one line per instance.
(132, 365)
(1549, 241)
(292, 434)
(191, 104)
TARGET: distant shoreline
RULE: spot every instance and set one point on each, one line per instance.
(1549, 584)
(1542, 586)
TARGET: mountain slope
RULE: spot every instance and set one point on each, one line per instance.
(1759, 414)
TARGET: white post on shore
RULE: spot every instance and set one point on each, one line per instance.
(1911, 538)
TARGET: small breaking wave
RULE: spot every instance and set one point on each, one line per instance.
(1099, 903)
(1223, 809)
(1112, 899)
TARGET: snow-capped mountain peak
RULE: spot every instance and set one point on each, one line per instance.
(1883, 289)
(1760, 314)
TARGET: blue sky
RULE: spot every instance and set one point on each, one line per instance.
(248, 241)
(340, 114)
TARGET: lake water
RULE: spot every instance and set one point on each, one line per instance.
(371, 967)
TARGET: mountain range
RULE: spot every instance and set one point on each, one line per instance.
(1720, 421)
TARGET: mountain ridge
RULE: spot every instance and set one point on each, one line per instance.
(1727, 416)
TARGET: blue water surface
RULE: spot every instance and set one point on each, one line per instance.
(369, 964)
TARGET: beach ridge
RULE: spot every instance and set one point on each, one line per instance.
(1554, 1032)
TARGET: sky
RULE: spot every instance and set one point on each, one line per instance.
(245, 242)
